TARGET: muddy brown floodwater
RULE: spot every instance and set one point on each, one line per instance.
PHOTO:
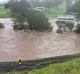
(35, 45)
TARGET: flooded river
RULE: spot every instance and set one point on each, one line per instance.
(34, 45)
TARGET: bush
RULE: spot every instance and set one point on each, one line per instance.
(38, 21)
(1, 25)
(77, 29)
(18, 27)
(23, 12)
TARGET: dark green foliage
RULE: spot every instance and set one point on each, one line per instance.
(37, 3)
(47, 3)
(38, 21)
(19, 9)
(6, 6)
(75, 8)
(1, 25)
(52, 3)
(18, 27)
(68, 4)
(77, 29)
(23, 12)
(70, 26)
(57, 2)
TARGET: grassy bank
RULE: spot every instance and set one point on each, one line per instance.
(4, 13)
(70, 66)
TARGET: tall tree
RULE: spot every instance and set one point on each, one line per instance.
(75, 8)
(23, 12)
(19, 10)
(68, 4)
(58, 2)
(52, 3)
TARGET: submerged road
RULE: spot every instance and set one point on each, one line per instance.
(35, 45)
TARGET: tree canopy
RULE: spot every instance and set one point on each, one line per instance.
(68, 4)
(23, 12)
(75, 7)
(47, 3)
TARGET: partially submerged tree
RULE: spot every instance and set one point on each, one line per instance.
(19, 10)
(23, 12)
(38, 21)
(1, 25)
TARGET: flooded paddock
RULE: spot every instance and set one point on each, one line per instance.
(35, 45)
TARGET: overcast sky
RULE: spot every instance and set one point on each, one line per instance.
(3, 1)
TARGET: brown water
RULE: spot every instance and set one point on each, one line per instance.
(34, 45)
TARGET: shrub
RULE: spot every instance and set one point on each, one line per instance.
(1, 25)
(38, 21)
(17, 27)
(77, 29)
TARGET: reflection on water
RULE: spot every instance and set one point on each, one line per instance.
(14, 44)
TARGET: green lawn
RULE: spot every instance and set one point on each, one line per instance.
(4, 13)
(70, 67)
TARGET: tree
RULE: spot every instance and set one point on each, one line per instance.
(22, 12)
(76, 10)
(46, 3)
(68, 4)
(52, 3)
(36, 3)
(40, 22)
(19, 10)
(58, 2)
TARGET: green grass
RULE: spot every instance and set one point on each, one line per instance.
(4, 13)
(51, 13)
(54, 13)
(68, 67)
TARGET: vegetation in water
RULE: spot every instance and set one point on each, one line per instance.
(23, 12)
(1, 25)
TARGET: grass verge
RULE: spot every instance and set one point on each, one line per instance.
(70, 66)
